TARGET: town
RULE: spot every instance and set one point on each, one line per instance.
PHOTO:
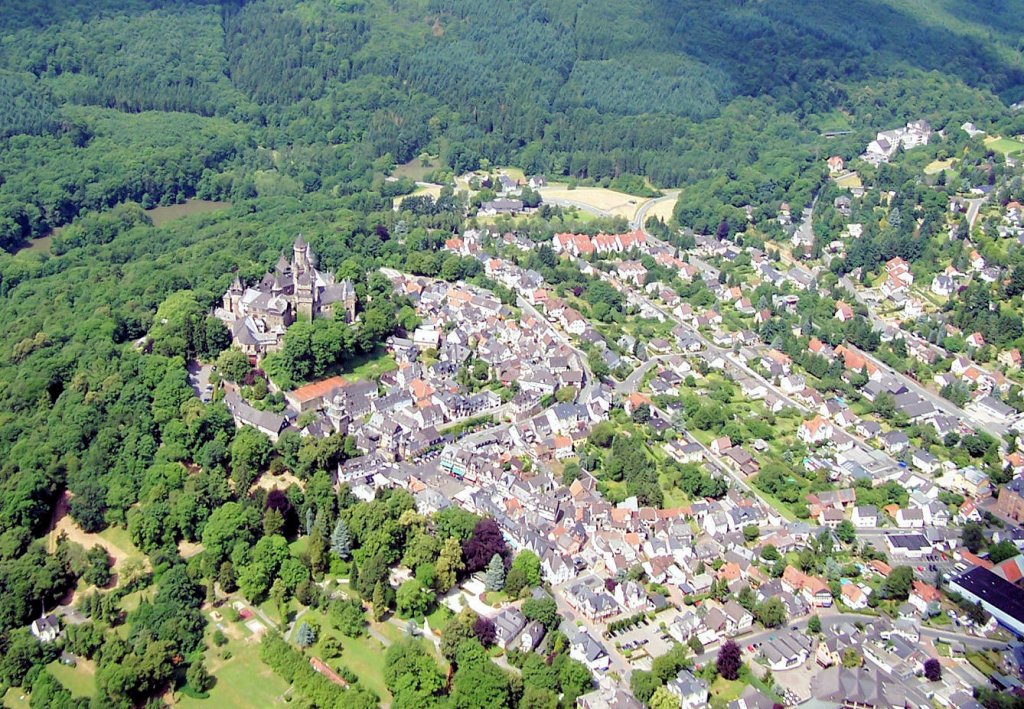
(805, 475)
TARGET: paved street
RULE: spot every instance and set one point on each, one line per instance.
(588, 376)
(944, 405)
(618, 663)
(831, 617)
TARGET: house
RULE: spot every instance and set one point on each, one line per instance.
(1010, 358)
(632, 271)
(608, 698)
(943, 285)
(785, 650)
(584, 648)
(844, 313)
(691, 691)
(835, 165)
(830, 518)
(46, 628)
(501, 206)
(992, 408)
(910, 518)
(243, 414)
(894, 442)
(922, 595)
(313, 396)
(507, 625)
(853, 597)
(898, 277)
(865, 516)
(720, 445)
(816, 431)
(589, 598)
(738, 619)
(1010, 502)
(924, 461)
(533, 633)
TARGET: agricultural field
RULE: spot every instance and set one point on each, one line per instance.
(617, 204)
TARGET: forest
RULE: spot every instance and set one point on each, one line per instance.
(294, 113)
(729, 102)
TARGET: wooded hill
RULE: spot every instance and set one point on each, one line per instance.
(729, 100)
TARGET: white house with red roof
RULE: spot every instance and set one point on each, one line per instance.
(816, 431)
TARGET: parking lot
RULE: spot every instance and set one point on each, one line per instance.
(199, 380)
(643, 639)
(796, 683)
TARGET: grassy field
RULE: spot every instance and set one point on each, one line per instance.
(119, 538)
(363, 656)
(415, 170)
(432, 190)
(615, 203)
(242, 680)
(16, 698)
(162, 215)
(1006, 146)
(723, 691)
(80, 680)
(849, 181)
(369, 366)
(662, 210)
(936, 166)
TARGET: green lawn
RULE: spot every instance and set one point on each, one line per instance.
(13, 698)
(937, 166)
(415, 170)
(369, 366)
(723, 691)
(363, 656)
(242, 681)
(1006, 146)
(439, 617)
(80, 680)
(120, 539)
(299, 546)
(495, 598)
(981, 662)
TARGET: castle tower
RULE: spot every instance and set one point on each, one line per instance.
(305, 290)
(300, 258)
(233, 296)
(337, 415)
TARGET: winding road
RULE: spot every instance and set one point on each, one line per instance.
(637, 222)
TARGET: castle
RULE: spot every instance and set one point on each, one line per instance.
(259, 315)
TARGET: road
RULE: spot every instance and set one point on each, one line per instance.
(636, 377)
(617, 663)
(583, 206)
(639, 221)
(830, 617)
(588, 376)
(973, 207)
(944, 405)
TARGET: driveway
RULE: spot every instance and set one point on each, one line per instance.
(199, 378)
